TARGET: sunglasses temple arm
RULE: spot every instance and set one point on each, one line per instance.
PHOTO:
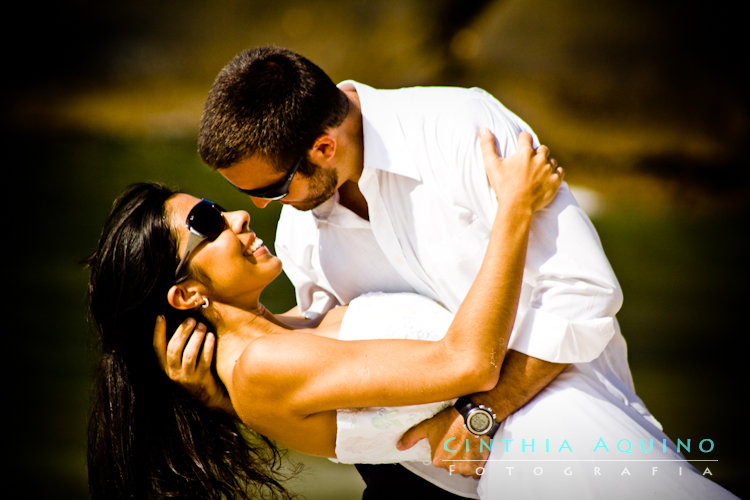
(194, 240)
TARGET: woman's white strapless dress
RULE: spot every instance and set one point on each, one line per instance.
(369, 435)
(585, 436)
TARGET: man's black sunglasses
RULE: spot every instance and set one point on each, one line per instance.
(205, 222)
(277, 190)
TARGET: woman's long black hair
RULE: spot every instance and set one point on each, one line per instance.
(147, 437)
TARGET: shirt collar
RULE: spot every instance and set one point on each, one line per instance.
(381, 126)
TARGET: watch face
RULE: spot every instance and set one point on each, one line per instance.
(479, 422)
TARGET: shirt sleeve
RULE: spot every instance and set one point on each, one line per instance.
(573, 294)
(299, 256)
(570, 294)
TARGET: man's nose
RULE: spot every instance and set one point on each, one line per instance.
(260, 202)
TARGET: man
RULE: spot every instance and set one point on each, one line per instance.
(384, 190)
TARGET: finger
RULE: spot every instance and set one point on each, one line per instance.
(411, 437)
(160, 341)
(177, 344)
(191, 353)
(207, 355)
(487, 143)
(525, 140)
(467, 469)
(543, 150)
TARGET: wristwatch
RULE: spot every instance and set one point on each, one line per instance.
(478, 419)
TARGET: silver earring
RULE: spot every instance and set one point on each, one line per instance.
(205, 302)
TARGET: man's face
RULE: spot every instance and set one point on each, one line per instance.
(305, 192)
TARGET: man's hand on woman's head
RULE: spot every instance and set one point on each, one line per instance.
(187, 360)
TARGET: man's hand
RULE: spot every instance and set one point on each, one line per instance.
(187, 361)
(521, 378)
(448, 436)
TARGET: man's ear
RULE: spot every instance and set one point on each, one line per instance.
(323, 149)
(184, 297)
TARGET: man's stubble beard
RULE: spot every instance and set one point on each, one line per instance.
(322, 185)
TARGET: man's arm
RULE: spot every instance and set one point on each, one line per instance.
(521, 378)
(571, 293)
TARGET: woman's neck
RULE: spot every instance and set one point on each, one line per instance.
(236, 329)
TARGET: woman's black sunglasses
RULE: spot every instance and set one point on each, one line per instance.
(277, 190)
(205, 222)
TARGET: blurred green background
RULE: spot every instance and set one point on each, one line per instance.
(644, 102)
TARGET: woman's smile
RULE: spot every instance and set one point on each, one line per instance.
(235, 262)
(255, 246)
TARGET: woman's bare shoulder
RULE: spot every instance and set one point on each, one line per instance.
(278, 358)
(273, 372)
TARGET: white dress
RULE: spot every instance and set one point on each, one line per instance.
(586, 436)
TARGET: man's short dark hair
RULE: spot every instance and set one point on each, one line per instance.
(271, 102)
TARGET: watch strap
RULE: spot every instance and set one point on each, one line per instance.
(463, 405)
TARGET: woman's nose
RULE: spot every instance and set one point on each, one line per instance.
(239, 221)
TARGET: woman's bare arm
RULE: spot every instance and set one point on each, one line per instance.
(307, 374)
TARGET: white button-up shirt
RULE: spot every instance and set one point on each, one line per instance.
(431, 209)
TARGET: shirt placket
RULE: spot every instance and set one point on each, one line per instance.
(386, 235)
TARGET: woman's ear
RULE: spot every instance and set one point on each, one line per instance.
(184, 298)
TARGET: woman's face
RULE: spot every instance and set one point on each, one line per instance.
(238, 266)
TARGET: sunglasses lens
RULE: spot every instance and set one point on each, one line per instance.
(206, 218)
(274, 191)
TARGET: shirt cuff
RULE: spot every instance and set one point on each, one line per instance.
(313, 306)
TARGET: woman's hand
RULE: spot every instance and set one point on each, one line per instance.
(187, 361)
(528, 178)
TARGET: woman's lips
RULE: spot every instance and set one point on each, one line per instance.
(256, 247)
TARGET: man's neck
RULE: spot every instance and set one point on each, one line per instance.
(352, 138)
(352, 198)
(349, 194)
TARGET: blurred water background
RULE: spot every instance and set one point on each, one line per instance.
(644, 102)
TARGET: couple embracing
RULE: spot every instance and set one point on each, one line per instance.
(456, 312)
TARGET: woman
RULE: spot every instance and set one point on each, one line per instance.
(148, 438)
